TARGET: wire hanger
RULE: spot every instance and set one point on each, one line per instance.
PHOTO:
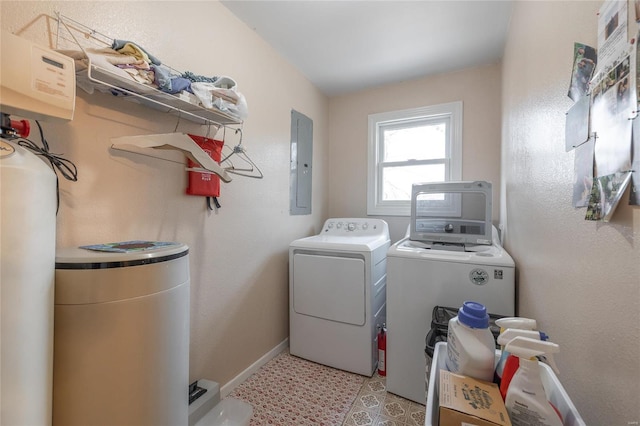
(253, 171)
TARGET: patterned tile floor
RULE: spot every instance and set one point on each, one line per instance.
(375, 406)
(291, 391)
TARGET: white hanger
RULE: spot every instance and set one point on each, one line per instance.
(175, 141)
(253, 171)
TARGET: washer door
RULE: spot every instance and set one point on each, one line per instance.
(329, 287)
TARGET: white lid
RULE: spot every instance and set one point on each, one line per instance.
(113, 255)
(87, 276)
(517, 322)
(455, 212)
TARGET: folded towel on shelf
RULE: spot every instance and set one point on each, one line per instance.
(141, 75)
(120, 44)
(105, 58)
(168, 81)
(131, 49)
(188, 97)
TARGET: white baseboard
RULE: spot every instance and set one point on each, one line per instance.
(231, 385)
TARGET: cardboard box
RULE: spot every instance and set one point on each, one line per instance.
(467, 401)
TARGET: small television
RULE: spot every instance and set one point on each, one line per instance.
(455, 212)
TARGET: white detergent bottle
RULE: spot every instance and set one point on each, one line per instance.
(470, 344)
(526, 400)
(505, 323)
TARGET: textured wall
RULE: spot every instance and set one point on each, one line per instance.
(579, 279)
(239, 258)
(477, 88)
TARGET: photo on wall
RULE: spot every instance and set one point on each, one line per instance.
(612, 32)
(584, 64)
(613, 107)
(583, 174)
(577, 125)
(606, 194)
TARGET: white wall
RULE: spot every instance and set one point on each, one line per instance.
(477, 88)
(580, 279)
(238, 256)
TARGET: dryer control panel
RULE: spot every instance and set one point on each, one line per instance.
(355, 227)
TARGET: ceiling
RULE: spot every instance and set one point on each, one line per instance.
(348, 45)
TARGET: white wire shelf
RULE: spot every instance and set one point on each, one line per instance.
(98, 78)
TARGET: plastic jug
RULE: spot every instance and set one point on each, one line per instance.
(470, 344)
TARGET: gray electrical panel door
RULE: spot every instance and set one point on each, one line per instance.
(301, 160)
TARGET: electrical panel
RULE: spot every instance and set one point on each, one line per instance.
(301, 163)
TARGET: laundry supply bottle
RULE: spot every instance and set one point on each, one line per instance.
(526, 400)
(470, 343)
(509, 365)
(519, 323)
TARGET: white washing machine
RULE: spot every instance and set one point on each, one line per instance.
(430, 271)
(337, 293)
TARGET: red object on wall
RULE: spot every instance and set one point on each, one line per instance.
(205, 184)
(382, 350)
(22, 127)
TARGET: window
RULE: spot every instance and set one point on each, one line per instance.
(411, 146)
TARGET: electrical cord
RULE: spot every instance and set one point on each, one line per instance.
(60, 165)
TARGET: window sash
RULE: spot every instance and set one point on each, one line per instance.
(412, 123)
(450, 114)
(398, 164)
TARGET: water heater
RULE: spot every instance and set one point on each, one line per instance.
(27, 251)
(35, 83)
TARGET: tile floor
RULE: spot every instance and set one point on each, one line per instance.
(291, 391)
(375, 406)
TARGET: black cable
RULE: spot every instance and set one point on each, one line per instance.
(65, 167)
(215, 203)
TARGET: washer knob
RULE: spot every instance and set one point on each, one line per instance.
(448, 227)
(365, 226)
(351, 226)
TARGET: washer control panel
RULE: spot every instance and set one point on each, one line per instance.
(354, 226)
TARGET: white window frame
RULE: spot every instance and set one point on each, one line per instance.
(453, 160)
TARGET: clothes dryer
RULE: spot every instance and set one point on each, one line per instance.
(337, 293)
